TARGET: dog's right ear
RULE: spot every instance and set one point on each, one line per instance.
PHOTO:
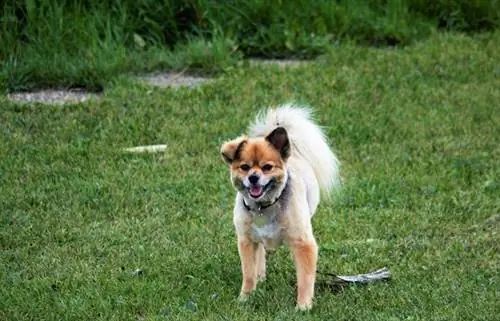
(230, 150)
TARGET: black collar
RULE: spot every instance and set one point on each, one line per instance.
(260, 206)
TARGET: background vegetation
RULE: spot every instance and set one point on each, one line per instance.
(86, 43)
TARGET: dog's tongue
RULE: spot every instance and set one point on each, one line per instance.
(256, 191)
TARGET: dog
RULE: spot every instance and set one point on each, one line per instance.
(279, 172)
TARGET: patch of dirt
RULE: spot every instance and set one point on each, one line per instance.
(280, 62)
(173, 80)
(163, 80)
(54, 96)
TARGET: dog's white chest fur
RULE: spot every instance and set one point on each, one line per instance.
(266, 231)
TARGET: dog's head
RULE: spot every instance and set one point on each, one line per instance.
(257, 165)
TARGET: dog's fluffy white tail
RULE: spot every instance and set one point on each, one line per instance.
(306, 138)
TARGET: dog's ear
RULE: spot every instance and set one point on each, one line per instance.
(279, 139)
(230, 150)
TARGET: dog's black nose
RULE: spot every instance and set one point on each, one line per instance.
(253, 178)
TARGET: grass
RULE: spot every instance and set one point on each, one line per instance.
(90, 233)
(56, 44)
(48, 43)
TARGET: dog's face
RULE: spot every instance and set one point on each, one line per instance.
(257, 165)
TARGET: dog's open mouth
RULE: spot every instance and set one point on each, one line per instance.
(256, 191)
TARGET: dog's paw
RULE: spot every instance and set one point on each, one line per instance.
(305, 306)
(243, 297)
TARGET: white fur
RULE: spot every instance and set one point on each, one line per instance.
(307, 140)
(270, 231)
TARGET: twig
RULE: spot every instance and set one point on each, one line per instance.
(147, 149)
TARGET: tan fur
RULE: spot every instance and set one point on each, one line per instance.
(261, 262)
(264, 221)
(229, 148)
(247, 250)
(306, 256)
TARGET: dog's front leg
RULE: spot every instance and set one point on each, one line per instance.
(305, 253)
(247, 250)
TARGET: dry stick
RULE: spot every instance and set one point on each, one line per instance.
(147, 149)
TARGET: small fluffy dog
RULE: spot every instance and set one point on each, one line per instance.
(278, 172)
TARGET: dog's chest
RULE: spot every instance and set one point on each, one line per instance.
(266, 230)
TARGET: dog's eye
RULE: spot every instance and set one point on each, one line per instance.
(245, 167)
(267, 167)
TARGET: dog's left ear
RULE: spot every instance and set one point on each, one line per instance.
(230, 150)
(279, 139)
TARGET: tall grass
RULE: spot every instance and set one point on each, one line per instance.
(85, 43)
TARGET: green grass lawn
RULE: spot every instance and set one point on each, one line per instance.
(90, 233)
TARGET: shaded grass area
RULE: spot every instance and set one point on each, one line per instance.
(82, 43)
(88, 232)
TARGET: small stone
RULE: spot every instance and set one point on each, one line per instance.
(166, 312)
(191, 305)
(138, 273)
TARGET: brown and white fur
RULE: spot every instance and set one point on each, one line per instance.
(279, 170)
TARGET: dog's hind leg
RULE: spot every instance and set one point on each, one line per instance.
(305, 253)
(261, 262)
